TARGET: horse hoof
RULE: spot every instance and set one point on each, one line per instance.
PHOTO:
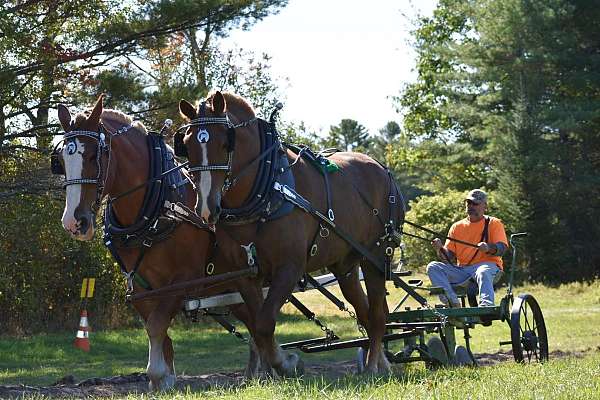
(165, 383)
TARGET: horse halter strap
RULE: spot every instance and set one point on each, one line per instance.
(203, 137)
(99, 137)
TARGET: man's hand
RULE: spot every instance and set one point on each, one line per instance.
(483, 247)
(437, 244)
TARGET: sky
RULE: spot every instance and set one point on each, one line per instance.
(343, 58)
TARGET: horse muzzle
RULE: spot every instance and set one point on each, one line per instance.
(210, 210)
(81, 228)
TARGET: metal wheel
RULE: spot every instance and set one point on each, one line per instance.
(528, 330)
(437, 351)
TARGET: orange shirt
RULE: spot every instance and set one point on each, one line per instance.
(468, 231)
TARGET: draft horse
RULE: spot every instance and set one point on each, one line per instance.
(151, 228)
(244, 179)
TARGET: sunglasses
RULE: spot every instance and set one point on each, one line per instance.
(472, 203)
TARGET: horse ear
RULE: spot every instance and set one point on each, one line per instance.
(64, 116)
(186, 109)
(218, 103)
(97, 110)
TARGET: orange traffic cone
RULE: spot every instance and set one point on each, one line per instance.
(82, 340)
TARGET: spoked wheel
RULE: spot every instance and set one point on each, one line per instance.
(528, 330)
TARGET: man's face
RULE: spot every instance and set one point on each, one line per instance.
(474, 209)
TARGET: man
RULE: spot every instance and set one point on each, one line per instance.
(483, 263)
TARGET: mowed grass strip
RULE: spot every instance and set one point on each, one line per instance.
(572, 315)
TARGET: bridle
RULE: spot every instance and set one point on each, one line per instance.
(203, 137)
(102, 148)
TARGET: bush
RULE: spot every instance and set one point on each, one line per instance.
(42, 269)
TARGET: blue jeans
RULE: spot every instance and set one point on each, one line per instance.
(446, 276)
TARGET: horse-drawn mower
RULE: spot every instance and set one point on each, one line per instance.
(424, 333)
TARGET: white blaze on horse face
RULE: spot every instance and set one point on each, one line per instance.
(72, 154)
(205, 184)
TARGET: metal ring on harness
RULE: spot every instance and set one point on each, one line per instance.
(330, 214)
(313, 250)
(389, 251)
(324, 232)
(375, 211)
(210, 268)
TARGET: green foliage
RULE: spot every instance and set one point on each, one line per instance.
(146, 56)
(436, 212)
(506, 81)
(43, 269)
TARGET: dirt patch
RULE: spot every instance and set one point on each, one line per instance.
(138, 382)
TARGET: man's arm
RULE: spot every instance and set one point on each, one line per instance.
(498, 242)
(443, 253)
(493, 249)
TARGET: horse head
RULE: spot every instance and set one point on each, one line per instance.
(210, 140)
(81, 158)
(89, 162)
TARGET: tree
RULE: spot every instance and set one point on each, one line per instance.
(348, 135)
(508, 79)
(68, 52)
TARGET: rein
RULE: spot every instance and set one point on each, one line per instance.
(437, 234)
(149, 181)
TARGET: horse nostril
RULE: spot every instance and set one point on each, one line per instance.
(84, 224)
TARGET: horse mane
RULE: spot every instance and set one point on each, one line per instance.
(113, 120)
(237, 104)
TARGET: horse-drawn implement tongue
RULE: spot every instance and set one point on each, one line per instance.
(193, 287)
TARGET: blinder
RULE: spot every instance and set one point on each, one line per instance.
(180, 147)
(55, 165)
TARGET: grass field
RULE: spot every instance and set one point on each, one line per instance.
(572, 314)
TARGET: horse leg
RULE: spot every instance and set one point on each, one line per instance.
(354, 293)
(251, 292)
(377, 362)
(161, 366)
(272, 357)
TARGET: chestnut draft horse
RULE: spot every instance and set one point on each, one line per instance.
(106, 153)
(227, 146)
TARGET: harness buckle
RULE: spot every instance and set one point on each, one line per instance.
(210, 268)
(250, 253)
(129, 277)
(330, 214)
(147, 243)
(392, 199)
(153, 229)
